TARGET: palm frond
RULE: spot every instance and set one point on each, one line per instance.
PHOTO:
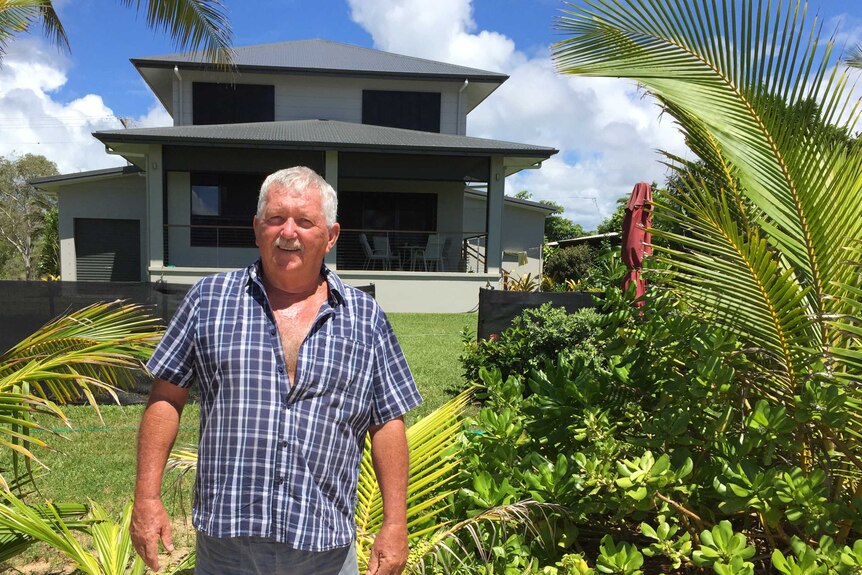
(16, 16)
(192, 24)
(432, 442)
(18, 517)
(757, 84)
(446, 542)
(736, 279)
(94, 350)
(855, 58)
(13, 543)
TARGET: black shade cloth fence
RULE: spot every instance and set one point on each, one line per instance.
(497, 308)
(25, 306)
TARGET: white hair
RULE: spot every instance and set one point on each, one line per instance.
(301, 179)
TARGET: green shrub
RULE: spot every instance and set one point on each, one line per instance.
(537, 335)
(571, 263)
(660, 438)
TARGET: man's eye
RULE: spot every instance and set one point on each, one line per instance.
(275, 221)
(305, 223)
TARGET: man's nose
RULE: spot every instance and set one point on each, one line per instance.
(288, 228)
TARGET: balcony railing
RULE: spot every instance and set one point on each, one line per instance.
(358, 249)
(410, 250)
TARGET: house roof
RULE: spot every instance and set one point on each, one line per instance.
(482, 194)
(593, 239)
(315, 58)
(52, 181)
(326, 56)
(322, 135)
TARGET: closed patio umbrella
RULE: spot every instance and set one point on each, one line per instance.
(636, 240)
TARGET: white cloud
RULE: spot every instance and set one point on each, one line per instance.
(33, 119)
(607, 133)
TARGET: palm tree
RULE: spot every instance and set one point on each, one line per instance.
(759, 98)
(190, 23)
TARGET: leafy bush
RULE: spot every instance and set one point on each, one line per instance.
(657, 450)
(536, 336)
(571, 263)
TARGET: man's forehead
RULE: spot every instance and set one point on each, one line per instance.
(308, 195)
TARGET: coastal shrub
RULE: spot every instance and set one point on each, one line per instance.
(536, 336)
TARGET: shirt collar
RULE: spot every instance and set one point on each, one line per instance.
(335, 296)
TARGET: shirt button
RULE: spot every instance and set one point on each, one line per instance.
(279, 481)
(282, 444)
(280, 369)
(272, 331)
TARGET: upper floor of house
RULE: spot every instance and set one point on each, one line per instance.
(318, 80)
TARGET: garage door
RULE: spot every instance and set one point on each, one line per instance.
(108, 250)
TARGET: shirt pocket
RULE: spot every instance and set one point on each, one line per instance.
(340, 368)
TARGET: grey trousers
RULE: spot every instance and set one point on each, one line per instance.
(260, 556)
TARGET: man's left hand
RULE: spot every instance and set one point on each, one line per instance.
(389, 551)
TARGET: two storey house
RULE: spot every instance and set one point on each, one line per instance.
(421, 204)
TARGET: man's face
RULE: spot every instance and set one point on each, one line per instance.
(292, 234)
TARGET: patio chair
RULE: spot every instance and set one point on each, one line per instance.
(381, 246)
(432, 257)
(376, 254)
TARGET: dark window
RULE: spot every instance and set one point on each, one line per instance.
(232, 103)
(411, 110)
(108, 250)
(223, 206)
(388, 211)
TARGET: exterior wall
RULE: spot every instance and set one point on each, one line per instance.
(122, 197)
(396, 292)
(320, 97)
(523, 233)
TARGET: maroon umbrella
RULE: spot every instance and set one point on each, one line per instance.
(636, 240)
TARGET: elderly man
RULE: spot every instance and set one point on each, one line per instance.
(294, 367)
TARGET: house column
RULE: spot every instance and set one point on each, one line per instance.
(155, 209)
(331, 176)
(494, 216)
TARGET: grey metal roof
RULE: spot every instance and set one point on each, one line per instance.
(326, 56)
(323, 135)
(483, 194)
(118, 171)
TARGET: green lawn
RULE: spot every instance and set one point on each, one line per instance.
(97, 459)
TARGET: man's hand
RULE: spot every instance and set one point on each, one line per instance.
(150, 524)
(389, 551)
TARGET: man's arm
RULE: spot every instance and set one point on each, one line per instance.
(159, 426)
(390, 458)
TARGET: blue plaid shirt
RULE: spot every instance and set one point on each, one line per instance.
(278, 461)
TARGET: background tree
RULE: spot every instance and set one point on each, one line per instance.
(190, 23)
(557, 226)
(49, 247)
(614, 222)
(23, 208)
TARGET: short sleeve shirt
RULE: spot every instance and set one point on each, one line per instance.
(278, 460)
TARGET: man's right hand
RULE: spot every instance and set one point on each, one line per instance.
(150, 524)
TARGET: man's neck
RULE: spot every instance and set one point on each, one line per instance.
(290, 293)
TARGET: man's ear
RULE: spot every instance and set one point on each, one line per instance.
(334, 230)
(254, 224)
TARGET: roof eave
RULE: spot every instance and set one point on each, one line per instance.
(108, 139)
(209, 67)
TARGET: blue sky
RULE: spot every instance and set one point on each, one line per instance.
(606, 131)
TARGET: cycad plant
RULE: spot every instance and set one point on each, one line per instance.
(775, 200)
